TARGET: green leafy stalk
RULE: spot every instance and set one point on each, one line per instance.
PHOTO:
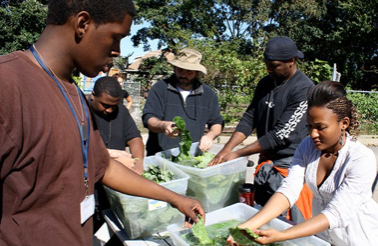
(184, 157)
(218, 234)
(239, 236)
(184, 135)
(199, 231)
(158, 175)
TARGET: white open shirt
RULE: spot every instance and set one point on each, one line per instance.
(345, 197)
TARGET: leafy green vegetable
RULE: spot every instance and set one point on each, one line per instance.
(240, 237)
(204, 159)
(218, 234)
(199, 231)
(184, 157)
(221, 229)
(216, 191)
(157, 174)
(200, 161)
(184, 135)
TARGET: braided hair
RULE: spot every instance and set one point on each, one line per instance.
(332, 95)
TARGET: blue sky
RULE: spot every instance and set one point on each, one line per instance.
(127, 45)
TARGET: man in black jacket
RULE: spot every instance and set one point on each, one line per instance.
(183, 95)
(278, 113)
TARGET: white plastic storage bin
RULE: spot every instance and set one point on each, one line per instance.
(241, 212)
(141, 216)
(215, 187)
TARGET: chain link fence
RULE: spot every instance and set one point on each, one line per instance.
(134, 90)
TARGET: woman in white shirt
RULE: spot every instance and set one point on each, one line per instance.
(339, 171)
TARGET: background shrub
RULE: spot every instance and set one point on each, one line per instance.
(367, 105)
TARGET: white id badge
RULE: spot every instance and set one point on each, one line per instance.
(87, 208)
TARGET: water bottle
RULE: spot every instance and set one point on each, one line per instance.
(247, 190)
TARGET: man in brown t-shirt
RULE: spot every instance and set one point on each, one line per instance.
(50, 153)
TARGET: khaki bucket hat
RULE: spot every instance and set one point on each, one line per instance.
(189, 59)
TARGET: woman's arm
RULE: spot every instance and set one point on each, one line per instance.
(275, 206)
(309, 227)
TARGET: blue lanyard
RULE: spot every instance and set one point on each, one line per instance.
(84, 143)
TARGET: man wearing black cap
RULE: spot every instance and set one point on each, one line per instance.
(278, 113)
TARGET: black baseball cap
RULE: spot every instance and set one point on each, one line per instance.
(282, 48)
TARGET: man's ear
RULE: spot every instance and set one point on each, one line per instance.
(83, 20)
(291, 62)
(92, 95)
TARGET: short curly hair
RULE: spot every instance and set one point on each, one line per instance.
(332, 95)
(108, 85)
(101, 11)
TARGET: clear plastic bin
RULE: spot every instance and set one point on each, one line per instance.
(215, 187)
(141, 216)
(241, 212)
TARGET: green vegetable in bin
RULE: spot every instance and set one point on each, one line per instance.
(199, 231)
(138, 218)
(204, 159)
(217, 234)
(184, 157)
(239, 236)
(168, 214)
(184, 135)
(216, 189)
(158, 175)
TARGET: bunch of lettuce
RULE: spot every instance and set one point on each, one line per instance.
(157, 174)
(240, 236)
(211, 235)
(217, 234)
(185, 142)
